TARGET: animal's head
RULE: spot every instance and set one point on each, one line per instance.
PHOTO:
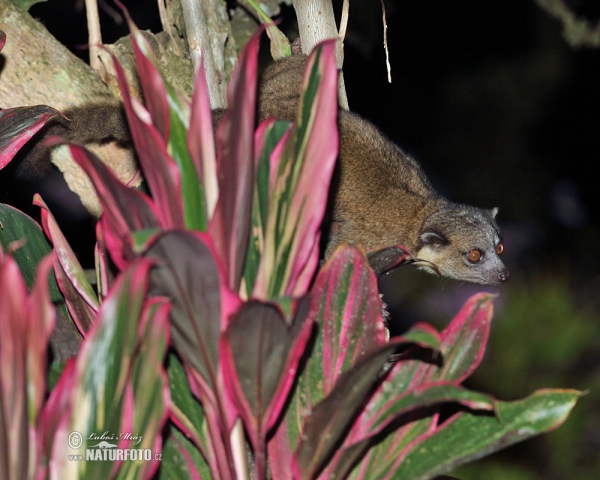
(463, 243)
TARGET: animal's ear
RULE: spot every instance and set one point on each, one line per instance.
(433, 239)
(494, 212)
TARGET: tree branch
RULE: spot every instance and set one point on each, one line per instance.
(37, 69)
(316, 23)
(577, 32)
(198, 38)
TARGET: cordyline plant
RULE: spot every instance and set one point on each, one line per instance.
(271, 360)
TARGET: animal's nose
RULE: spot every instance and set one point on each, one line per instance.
(503, 275)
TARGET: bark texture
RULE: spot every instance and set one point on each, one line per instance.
(316, 23)
(37, 69)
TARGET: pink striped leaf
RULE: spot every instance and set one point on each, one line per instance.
(104, 271)
(56, 413)
(201, 145)
(230, 223)
(381, 460)
(159, 168)
(326, 426)
(18, 125)
(378, 457)
(108, 399)
(170, 115)
(464, 339)
(301, 170)
(153, 86)
(269, 136)
(79, 295)
(261, 351)
(392, 409)
(417, 371)
(124, 209)
(347, 309)
(26, 322)
(150, 388)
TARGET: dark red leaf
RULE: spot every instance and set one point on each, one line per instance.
(326, 426)
(260, 355)
(18, 125)
(385, 259)
(230, 224)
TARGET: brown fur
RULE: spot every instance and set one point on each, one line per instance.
(380, 196)
(372, 170)
(97, 123)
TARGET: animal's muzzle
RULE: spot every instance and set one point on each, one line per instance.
(503, 276)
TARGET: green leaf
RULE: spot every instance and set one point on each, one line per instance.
(141, 238)
(424, 335)
(280, 45)
(181, 459)
(55, 370)
(26, 4)
(267, 137)
(15, 226)
(150, 389)
(186, 410)
(300, 177)
(466, 437)
(101, 394)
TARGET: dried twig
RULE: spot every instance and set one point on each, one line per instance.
(385, 45)
(167, 24)
(344, 20)
(94, 33)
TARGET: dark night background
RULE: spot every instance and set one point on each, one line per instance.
(499, 111)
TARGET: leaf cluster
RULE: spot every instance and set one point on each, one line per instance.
(211, 332)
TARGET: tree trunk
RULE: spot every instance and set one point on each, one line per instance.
(37, 69)
(316, 23)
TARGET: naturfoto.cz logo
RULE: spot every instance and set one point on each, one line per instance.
(105, 448)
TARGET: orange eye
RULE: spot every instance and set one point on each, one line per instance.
(499, 249)
(474, 256)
